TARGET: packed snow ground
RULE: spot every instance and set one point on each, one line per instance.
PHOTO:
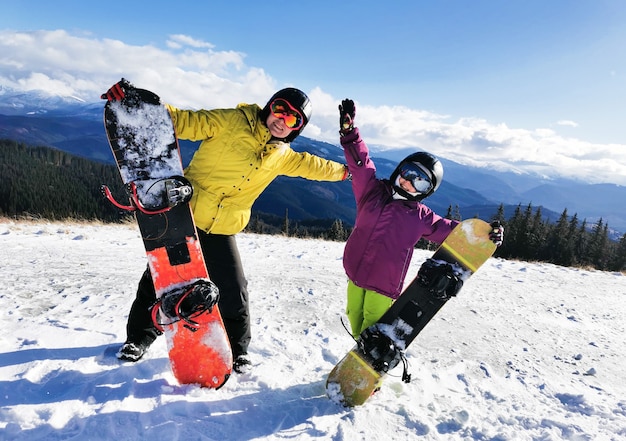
(528, 351)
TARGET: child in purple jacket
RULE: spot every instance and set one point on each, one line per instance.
(390, 219)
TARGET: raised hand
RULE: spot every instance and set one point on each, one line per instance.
(347, 112)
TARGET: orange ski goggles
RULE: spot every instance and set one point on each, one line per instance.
(285, 111)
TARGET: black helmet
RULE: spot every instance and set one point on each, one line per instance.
(298, 100)
(431, 169)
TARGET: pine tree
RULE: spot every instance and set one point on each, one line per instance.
(337, 232)
(581, 246)
(499, 216)
(559, 249)
(529, 234)
(537, 235)
(513, 235)
(573, 239)
(454, 213)
(285, 229)
(598, 251)
(618, 262)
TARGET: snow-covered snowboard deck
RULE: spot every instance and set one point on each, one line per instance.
(354, 379)
(144, 143)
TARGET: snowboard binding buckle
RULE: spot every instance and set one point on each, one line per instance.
(179, 190)
(186, 303)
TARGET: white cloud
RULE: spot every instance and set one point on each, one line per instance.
(191, 73)
(567, 123)
(178, 41)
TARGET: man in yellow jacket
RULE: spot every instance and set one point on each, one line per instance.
(242, 150)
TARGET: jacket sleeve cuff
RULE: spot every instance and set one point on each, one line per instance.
(346, 174)
(351, 137)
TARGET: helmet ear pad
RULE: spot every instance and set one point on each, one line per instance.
(425, 161)
(299, 100)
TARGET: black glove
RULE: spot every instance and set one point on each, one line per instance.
(497, 233)
(119, 91)
(347, 112)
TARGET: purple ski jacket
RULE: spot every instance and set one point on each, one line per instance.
(379, 250)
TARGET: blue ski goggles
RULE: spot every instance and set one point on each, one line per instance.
(418, 177)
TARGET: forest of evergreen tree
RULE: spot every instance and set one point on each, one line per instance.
(41, 182)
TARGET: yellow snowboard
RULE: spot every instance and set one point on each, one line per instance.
(354, 379)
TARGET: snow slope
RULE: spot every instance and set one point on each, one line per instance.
(526, 352)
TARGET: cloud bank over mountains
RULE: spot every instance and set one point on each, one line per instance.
(192, 73)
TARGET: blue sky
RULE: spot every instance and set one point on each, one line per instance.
(533, 85)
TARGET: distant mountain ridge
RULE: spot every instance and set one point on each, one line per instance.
(76, 127)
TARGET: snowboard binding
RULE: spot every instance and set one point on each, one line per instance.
(381, 351)
(154, 196)
(442, 279)
(184, 304)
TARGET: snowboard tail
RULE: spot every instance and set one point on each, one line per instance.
(380, 347)
(353, 380)
(143, 141)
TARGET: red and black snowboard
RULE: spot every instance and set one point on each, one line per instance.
(142, 137)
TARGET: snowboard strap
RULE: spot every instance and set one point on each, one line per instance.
(347, 330)
(406, 377)
(175, 191)
(107, 194)
(184, 304)
(134, 199)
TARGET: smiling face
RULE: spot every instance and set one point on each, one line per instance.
(292, 107)
(406, 185)
(277, 127)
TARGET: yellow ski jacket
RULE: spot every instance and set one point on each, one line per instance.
(236, 160)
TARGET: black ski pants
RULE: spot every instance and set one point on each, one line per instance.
(226, 271)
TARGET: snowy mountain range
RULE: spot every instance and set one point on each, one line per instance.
(75, 126)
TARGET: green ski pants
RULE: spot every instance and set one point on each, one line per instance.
(365, 307)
